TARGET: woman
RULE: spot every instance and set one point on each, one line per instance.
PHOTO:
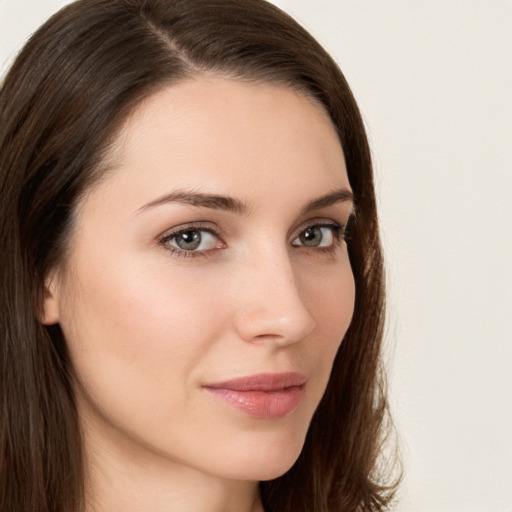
(192, 282)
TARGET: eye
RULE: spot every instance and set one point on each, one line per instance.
(192, 241)
(318, 236)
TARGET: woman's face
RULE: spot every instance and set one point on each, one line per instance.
(207, 286)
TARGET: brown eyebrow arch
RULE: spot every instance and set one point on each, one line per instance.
(338, 196)
(213, 201)
(217, 202)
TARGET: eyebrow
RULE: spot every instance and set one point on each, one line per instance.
(341, 195)
(226, 203)
(212, 201)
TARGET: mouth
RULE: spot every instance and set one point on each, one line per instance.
(265, 395)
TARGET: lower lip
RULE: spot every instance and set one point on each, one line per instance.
(261, 404)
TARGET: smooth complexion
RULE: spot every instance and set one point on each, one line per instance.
(211, 256)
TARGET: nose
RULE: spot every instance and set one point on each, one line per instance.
(270, 307)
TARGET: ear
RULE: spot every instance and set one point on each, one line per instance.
(51, 313)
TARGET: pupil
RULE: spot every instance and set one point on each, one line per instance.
(188, 240)
(312, 237)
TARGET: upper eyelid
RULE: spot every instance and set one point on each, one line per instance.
(190, 226)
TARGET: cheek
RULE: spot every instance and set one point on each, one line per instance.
(136, 327)
(330, 299)
(337, 311)
(138, 337)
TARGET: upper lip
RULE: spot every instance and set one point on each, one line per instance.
(261, 382)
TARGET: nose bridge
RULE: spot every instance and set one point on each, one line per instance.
(270, 302)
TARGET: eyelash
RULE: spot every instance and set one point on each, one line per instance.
(339, 233)
(164, 240)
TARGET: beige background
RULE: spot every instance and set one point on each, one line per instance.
(434, 82)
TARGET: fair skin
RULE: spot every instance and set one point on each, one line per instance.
(166, 290)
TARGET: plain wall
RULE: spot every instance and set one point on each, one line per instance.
(434, 82)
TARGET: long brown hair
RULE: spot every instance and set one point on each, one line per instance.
(62, 102)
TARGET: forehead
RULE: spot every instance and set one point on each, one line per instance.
(213, 132)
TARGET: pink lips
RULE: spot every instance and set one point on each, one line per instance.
(266, 395)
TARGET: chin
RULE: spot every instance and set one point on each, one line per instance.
(265, 458)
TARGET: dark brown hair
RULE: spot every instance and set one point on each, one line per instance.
(62, 102)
